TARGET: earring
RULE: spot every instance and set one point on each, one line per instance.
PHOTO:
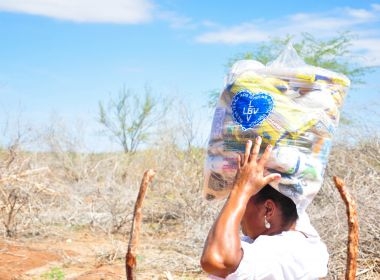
(266, 223)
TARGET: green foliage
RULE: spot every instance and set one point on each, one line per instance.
(54, 273)
(333, 54)
(130, 117)
(264, 52)
(213, 97)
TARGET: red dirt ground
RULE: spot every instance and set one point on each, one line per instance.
(80, 255)
(86, 255)
(76, 258)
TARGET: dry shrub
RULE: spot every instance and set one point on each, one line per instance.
(176, 218)
(178, 194)
(359, 166)
(98, 191)
(25, 192)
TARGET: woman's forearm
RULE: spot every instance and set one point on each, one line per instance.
(222, 252)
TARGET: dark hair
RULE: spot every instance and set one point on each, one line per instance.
(287, 206)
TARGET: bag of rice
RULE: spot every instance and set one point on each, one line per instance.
(291, 105)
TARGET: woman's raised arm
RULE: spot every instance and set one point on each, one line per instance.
(222, 252)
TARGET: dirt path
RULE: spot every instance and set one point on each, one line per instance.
(83, 255)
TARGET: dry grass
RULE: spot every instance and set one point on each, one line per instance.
(58, 192)
(359, 166)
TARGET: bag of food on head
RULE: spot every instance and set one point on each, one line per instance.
(293, 106)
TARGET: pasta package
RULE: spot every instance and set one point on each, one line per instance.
(293, 106)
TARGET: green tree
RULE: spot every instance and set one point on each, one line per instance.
(333, 54)
(129, 118)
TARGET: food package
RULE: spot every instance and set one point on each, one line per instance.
(293, 106)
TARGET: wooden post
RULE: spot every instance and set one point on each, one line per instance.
(353, 229)
(130, 258)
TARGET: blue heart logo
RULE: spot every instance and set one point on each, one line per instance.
(250, 109)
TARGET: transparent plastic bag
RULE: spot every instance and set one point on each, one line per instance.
(291, 105)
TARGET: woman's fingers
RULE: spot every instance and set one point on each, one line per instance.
(252, 152)
(256, 148)
(248, 148)
(240, 162)
(264, 157)
(251, 167)
(272, 177)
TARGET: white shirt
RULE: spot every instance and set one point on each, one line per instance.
(286, 256)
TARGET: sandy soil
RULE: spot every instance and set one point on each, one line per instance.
(83, 255)
(79, 257)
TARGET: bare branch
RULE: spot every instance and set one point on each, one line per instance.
(353, 229)
(130, 262)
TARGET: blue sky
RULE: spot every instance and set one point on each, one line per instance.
(59, 58)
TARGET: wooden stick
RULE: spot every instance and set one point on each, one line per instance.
(130, 258)
(353, 229)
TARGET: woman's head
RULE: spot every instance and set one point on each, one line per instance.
(266, 207)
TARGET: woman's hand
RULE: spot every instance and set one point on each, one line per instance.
(250, 177)
(222, 252)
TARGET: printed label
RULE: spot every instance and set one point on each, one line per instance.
(250, 109)
(217, 122)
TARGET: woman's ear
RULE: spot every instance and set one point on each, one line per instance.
(270, 207)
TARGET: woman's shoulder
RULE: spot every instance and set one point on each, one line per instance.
(288, 242)
(289, 254)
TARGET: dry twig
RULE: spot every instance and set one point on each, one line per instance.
(130, 262)
(353, 229)
(15, 177)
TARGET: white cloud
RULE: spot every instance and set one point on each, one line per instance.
(361, 22)
(360, 14)
(376, 7)
(176, 21)
(244, 33)
(112, 11)
(322, 24)
(368, 51)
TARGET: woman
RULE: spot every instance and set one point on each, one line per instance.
(272, 247)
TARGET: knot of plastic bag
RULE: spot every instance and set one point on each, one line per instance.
(288, 58)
